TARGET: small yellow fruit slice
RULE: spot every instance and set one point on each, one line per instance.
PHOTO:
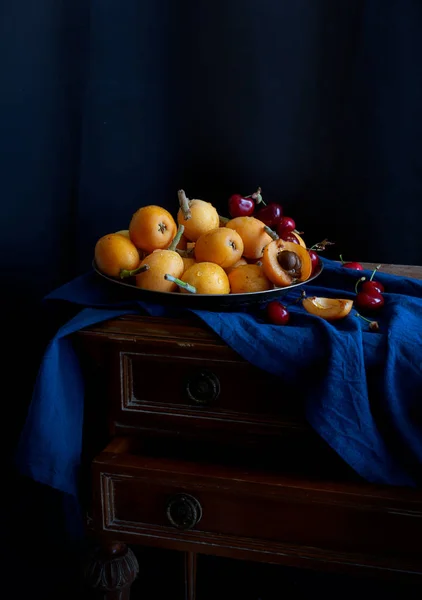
(330, 309)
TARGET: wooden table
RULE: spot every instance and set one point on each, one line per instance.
(186, 447)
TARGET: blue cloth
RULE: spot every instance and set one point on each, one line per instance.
(364, 390)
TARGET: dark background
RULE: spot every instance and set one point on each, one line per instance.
(107, 105)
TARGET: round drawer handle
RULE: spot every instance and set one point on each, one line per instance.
(203, 387)
(183, 511)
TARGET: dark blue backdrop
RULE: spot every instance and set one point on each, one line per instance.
(110, 104)
(107, 105)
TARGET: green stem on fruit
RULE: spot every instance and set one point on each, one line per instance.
(271, 233)
(341, 258)
(182, 284)
(373, 325)
(257, 196)
(184, 205)
(125, 273)
(223, 221)
(375, 271)
(185, 253)
(358, 282)
(177, 238)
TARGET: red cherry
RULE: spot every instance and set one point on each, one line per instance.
(371, 287)
(288, 236)
(270, 214)
(353, 265)
(314, 259)
(369, 302)
(277, 313)
(239, 206)
(285, 225)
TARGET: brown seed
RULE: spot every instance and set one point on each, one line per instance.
(289, 261)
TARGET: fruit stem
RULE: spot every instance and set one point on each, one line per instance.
(364, 318)
(125, 273)
(301, 297)
(176, 238)
(375, 270)
(373, 325)
(185, 253)
(320, 246)
(257, 196)
(186, 286)
(271, 233)
(358, 282)
(184, 205)
(341, 258)
(223, 221)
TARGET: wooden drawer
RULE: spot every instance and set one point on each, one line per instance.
(183, 379)
(255, 515)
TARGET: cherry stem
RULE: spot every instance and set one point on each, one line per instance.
(358, 282)
(184, 205)
(365, 319)
(177, 238)
(182, 284)
(320, 246)
(125, 273)
(271, 233)
(375, 271)
(341, 258)
(223, 220)
(257, 196)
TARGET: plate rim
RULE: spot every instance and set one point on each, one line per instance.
(244, 295)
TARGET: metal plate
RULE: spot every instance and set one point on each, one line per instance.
(211, 302)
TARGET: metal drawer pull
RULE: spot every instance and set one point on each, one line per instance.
(183, 511)
(203, 387)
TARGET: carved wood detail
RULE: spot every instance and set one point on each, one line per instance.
(111, 571)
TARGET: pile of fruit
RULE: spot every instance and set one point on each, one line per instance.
(198, 251)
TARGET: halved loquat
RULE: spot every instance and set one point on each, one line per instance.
(330, 309)
(285, 263)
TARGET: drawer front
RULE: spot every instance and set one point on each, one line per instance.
(169, 388)
(186, 504)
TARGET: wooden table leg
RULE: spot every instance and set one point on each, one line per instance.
(190, 575)
(111, 571)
